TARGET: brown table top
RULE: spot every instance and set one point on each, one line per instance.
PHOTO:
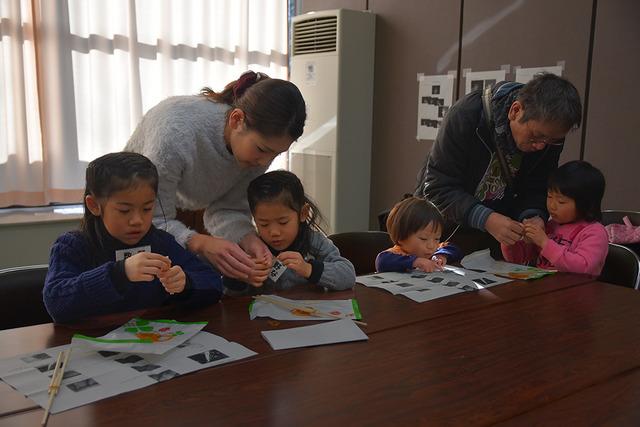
(473, 358)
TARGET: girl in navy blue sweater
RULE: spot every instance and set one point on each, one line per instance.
(118, 261)
(415, 227)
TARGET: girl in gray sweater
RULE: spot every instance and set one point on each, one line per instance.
(287, 221)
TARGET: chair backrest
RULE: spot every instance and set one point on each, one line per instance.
(21, 296)
(611, 216)
(361, 248)
(622, 267)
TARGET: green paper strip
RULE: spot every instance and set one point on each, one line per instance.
(356, 309)
(175, 322)
(107, 341)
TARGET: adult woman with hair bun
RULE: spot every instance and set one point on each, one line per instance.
(207, 149)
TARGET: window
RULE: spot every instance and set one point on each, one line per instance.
(77, 76)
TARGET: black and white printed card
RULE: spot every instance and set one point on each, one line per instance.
(277, 270)
(126, 253)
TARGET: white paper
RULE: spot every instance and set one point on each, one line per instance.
(343, 308)
(435, 96)
(93, 375)
(481, 79)
(523, 75)
(420, 286)
(482, 261)
(142, 336)
(343, 330)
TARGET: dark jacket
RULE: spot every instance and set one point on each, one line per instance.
(459, 158)
(85, 280)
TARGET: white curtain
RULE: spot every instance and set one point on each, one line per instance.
(101, 65)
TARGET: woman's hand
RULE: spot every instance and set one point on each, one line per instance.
(426, 265)
(145, 266)
(227, 256)
(255, 247)
(296, 262)
(260, 273)
(173, 280)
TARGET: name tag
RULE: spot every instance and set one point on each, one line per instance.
(126, 253)
(277, 270)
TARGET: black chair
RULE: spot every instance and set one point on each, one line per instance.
(361, 248)
(622, 267)
(21, 296)
(611, 216)
(382, 219)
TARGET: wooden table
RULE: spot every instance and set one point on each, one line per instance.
(544, 352)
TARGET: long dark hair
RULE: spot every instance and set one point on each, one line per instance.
(272, 107)
(110, 174)
(582, 182)
(410, 216)
(286, 188)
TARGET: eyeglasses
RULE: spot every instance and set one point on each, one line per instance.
(536, 138)
(546, 141)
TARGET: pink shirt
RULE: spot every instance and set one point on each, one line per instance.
(577, 247)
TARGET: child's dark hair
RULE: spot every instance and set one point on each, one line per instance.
(583, 183)
(410, 216)
(285, 187)
(272, 107)
(551, 98)
(111, 173)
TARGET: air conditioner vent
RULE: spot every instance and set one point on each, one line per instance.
(315, 35)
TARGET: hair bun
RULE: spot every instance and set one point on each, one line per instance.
(245, 81)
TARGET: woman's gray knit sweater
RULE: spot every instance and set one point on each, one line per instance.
(183, 137)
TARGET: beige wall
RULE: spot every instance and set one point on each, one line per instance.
(422, 36)
(29, 243)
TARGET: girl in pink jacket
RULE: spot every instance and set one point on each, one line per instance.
(573, 240)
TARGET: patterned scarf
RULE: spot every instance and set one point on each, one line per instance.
(493, 184)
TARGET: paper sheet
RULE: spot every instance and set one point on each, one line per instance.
(523, 75)
(435, 97)
(93, 375)
(482, 261)
(420, 286)
(346, 308)
(481, 79)
(343, 330)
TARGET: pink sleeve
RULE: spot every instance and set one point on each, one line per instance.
(585, 255)
(520, 252)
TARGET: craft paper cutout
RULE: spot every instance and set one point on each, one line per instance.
(345, 308)
(142, 336)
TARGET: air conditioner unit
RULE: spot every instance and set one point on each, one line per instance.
(332, 64)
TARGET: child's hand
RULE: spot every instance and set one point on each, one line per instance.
(296, 262)
(536, 234)
(144, 266)
(173, 279)
(261, 272)
(533, 221)
(440, 260)
(426, 265)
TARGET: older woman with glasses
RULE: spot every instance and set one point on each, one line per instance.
(494, 151)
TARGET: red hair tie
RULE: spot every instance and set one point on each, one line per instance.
(245, 81)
